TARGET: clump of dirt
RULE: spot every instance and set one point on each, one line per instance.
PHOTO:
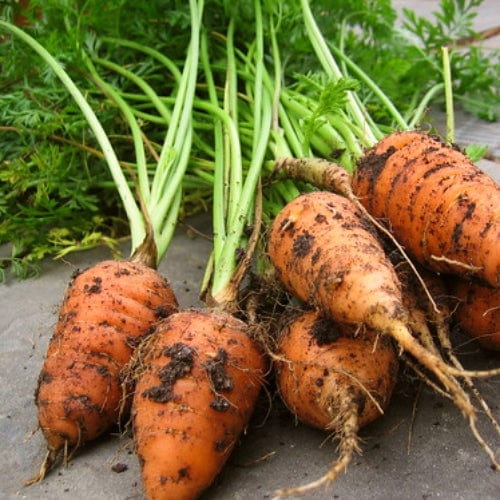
(181, 364)
(220, 380)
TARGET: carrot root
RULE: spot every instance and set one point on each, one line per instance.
(47, 464)
(349, 444)
(334, 377)
(107, 310)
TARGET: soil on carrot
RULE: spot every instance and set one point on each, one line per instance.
(180, 365)
(323, 332)
(302, 244)
(219, 379)
(96, 287)
(374, 163)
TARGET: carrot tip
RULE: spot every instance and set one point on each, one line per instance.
(47, 464)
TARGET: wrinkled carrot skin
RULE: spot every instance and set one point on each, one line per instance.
(324, 367)
(195, 395)
(442, 208)
(106, 311)
(328, 256)
(478, 312)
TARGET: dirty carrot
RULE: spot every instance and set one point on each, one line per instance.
(440, 206)
(108, 308)
(202, 375)
(334, 377)
(477, 311)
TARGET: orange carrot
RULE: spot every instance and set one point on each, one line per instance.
(107, 310)
(438, 204)
(196, 390)
(336, 378)
(327, 255)
(478, 312)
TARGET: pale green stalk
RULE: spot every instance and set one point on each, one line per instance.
(377, 91)
(448, 93)
(330, 66)
(155, 54)
(420, 110)
(223, 289)
(175, 151)
(140, 155)
(141, 83)
(233, 172)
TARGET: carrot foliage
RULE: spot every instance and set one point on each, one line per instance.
(51, 206)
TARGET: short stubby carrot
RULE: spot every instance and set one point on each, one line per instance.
(334, 377)
(442, 208)
(327, 255)
(477, 312)
(106, 311)
(196, 390)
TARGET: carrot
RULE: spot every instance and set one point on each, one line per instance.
(439, 205)
(477, 312)
(334, 377)
(195, 394)
(326, 255)
(107, 310)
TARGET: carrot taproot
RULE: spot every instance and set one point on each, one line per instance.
(196, 390)
(106, 311)
(441, 207)
(430, 320)
(328, 256)
(330, 176)
(477, 311)
(335, 377)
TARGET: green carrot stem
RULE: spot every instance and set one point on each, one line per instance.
(329, 64)
(218, 221)
(160, 57)
(420, 110)
(448, 92)
(140, 155)
(163, 111)
(377, 91)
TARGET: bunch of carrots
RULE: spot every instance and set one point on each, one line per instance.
(409, 195)
(362, 245)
